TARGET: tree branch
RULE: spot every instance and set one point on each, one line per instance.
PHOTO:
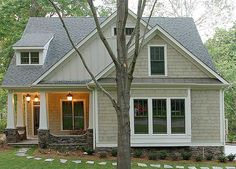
(82, 59)
(102, 37)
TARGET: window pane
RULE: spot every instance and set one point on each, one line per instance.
(67, 115)
(129, 31)
(24, 57)
(34, 57)
(157, 68)
(177, 116)
(157, 60)
(79, 115)
(141, 116)
(159, 116)
(115, 31)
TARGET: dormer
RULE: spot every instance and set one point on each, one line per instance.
(32, 48)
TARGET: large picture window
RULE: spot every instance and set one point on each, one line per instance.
(73, 115)
(157, 60)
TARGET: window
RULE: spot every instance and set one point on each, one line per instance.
(73, 115)
(158, 116)
(157, 59)
(29, 57)
(140, 116)
(128, 31)
(177, 116)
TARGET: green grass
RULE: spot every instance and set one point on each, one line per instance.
(8, 160)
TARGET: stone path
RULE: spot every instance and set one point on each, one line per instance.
(22, 152)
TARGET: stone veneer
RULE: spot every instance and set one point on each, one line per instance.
(64, 142)
(15, 135)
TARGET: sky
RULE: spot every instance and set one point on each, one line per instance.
(205, 30)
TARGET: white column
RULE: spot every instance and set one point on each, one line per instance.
(20, 114)
(91, 107)
(10, 111)
(43, 117)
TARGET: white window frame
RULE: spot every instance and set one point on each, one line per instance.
(149, 59)
(74, 100)
(18, 57)
(127, 26)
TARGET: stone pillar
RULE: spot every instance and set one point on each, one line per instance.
(43, 117)
(43, 138)
(89, 138)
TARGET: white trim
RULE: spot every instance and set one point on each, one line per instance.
(96, 116)
(189, 113)
(222, 118)
(32, 108)
(74, 100)
(18, 58)
(28, 48)
(10, 111)
(43, 117)
(165, 59)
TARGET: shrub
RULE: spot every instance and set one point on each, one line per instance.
(209, 157)
(186, 155)
(198, 158)
(114, 152)
(162, 155)
(3, 124)
(102, 154)
(222, 158)
(231, 137)
(138, 153)
(174, 156)
(89, 150)
(152, 156)
(231, 157)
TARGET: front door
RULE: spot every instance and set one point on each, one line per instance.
(36, 111)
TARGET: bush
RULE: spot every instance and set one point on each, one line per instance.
(162, 155)
(138, 153)
(174, 156)
(102, 154)
(186, 155)
(89, 150)
(209, 157)
(3, 124)
(222, 158)
(231, 137)
(114, 152)
(231, 157)
(198, 158)
(152, 156)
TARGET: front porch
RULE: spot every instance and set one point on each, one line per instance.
(55, 118)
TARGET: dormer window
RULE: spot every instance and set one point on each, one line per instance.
(128, 31)
(27, 58)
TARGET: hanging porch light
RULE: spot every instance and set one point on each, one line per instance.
(69, 97)
(36, 98)
(27, 97)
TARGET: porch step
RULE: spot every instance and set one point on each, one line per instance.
(25, 143)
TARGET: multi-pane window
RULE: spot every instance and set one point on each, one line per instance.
(29, 57)
(177, 116)
(157, 59)
(73, 115)
(159, 116)
(128, 31)
(140, 116)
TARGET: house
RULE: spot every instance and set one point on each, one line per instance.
(177, 96)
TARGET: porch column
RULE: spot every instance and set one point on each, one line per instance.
(20, 113)
(90, 110)
(10, 111)
(43, 117)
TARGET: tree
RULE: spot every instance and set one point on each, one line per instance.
(222, 48)
(124, 69)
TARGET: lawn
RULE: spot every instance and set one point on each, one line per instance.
(8, 160)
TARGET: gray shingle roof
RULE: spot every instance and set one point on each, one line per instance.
(182, 29)
(34, 40)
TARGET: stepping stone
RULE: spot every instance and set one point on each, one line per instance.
(204, 167)
(85, 153)
(214, 167)
(142, 165)
(230, 167)
(49, 160)
(102, 163)
(179, 167)
(63, 161)
(20, 154)
(155, 165)
(114, 164)
(23, 150)
(37, 158)
(29, 157)
(90, 162)
(77, 161)
(168, 166)
(192, 167)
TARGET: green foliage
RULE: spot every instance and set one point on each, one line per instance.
(102, 154)
(222, 158)
(114, 152)
(231, 157)
(162, 155)
(89, 150)
(138, 153)
(186, 155)
(231, 137)
(3, 124)
(222, 48)
(198, 158)
(209, 157)
(174, 156)
(152, 155)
